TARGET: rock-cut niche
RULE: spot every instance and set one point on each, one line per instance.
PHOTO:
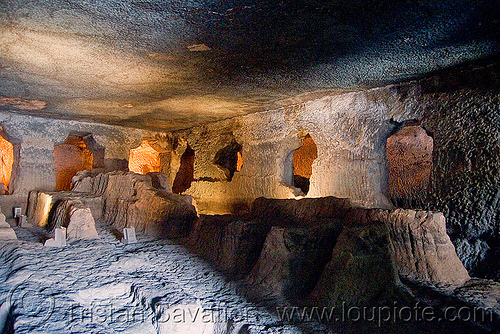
(185, 174)
(77, 153)
(409, 155)
(302, 161)
(145, 159)
(229, 159)
(6, 162)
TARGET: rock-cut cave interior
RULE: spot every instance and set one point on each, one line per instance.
(243, 166)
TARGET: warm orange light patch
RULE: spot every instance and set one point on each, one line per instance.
(6, 161)
(303, 158)
(71, 157)
(239, 163)
(144, 159)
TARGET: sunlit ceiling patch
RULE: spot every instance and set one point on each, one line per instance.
(22, 104)
(81, 62)
(198, 48)
(126, 105)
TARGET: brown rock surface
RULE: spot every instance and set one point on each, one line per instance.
(69, 158)
(409, 155)
(77, 218)
(6, 161)
(292, 260)
(131, 200)
(362, 270)
(43, 206)
(423, 251)
(286, 212)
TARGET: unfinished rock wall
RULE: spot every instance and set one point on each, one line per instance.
(462, 112)
(409, 154)
(71, 157)
(6, 161)
(459, 109)
(131, 200)
(350, 133)
(121, 199)
(34, 140)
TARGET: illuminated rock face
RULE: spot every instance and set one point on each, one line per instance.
(122, 199)
(450, 162)
(69, 158)
(349, 132)
(6, 161)
(145, 159)
(303, 159)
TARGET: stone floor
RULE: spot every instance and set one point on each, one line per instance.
(103, 286)
(153, 286)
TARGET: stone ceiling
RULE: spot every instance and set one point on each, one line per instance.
(168, 65)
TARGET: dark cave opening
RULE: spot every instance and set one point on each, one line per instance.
(185, 175)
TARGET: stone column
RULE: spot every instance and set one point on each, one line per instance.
(351, 132)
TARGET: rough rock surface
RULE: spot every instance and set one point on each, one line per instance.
(286, 212)
(465, 186)
(77, 218)
(160, 181)
(70, 157)
(291, 261)
(300, 235)
(43, 207)
(6, 232)
(409, 156)
(478, 300)
(34, 139)
(103, 286)
(6, 161)
(458, 108)
(362, 270)
(130, 200)
(422, 249)
(81, 224)
(232, 244)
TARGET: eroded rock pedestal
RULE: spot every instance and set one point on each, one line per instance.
(423, 251)
(326, 252)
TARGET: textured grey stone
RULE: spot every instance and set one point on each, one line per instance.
(6, 232)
